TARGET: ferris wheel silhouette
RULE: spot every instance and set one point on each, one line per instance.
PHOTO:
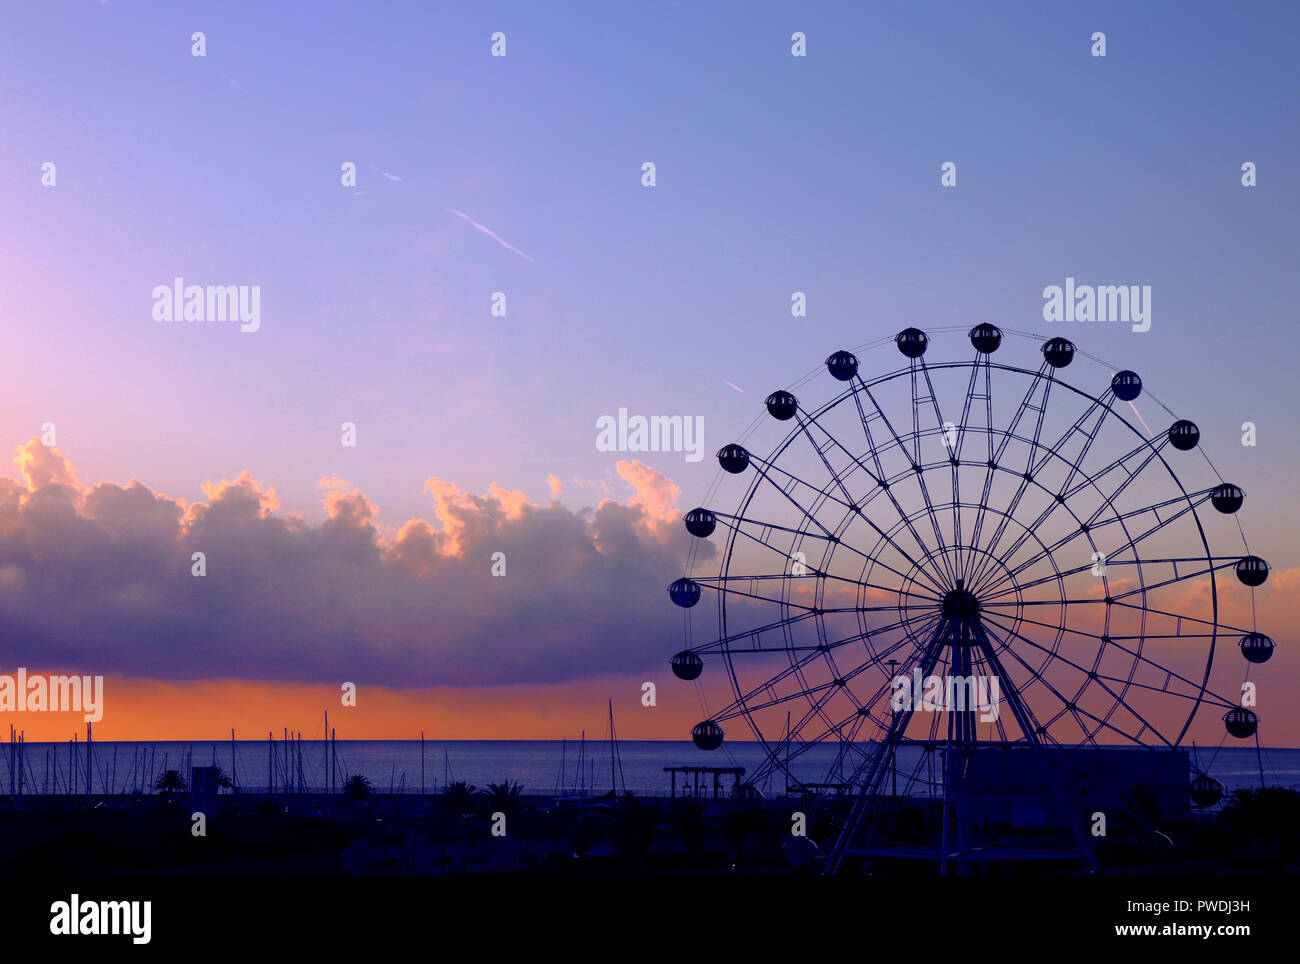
(971, 520)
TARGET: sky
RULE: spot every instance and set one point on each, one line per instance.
(476, 433)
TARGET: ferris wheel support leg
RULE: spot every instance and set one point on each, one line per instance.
(897, 728)
(1026, 726)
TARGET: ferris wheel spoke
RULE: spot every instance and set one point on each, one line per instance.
(855, 721)
(880, 481)
(763, 468)
(1139, 659)
(829, 688)
(1091, 674)
(727, 645)
(813, 572)
(1025, 406)
(1101, 410)
(1015, 693)
(803, 421)
(965, 556)
(846, 731)
(868, 773)
(978, 528)
(1148, 609)
(1185, 506)
(766, 469)
(1078, 712)
(1068, 706)
(991, 579)
(817, 696)
(1178, 577)
(1141, 590)
(1075, 467)
(989, 658)
(1152, 452)
(1114, 638)
(992, 669)
(1033, 469)
(854, 505)
(807, 418)
(720, 584)
(818, 738)
(1058, 501)
(918, 366)
(967, 405)
(915, 467)
(905, 641)
(747, 703)
(1148, 687)
(1182, 617)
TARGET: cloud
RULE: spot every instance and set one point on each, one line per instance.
(244, 491)
(97, 579)
(655, 493)
(41, 465)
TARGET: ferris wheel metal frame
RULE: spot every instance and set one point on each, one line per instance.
(958, 583)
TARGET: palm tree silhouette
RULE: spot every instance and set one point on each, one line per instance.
(503, 797)
(170, 783)
(457, 797)
(357, 787)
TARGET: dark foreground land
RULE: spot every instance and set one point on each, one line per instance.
(1253, 832)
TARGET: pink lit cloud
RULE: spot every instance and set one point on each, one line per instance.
(97, 577)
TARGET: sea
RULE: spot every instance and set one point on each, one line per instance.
(571, 768)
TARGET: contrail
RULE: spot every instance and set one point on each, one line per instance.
(504, 244)
(1140, 418)
(391, 177)
(734, 385)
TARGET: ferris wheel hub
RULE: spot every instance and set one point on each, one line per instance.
(961, 604)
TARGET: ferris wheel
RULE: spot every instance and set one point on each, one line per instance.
(975, 520)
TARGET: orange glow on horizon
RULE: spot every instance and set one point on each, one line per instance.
(139, 710)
